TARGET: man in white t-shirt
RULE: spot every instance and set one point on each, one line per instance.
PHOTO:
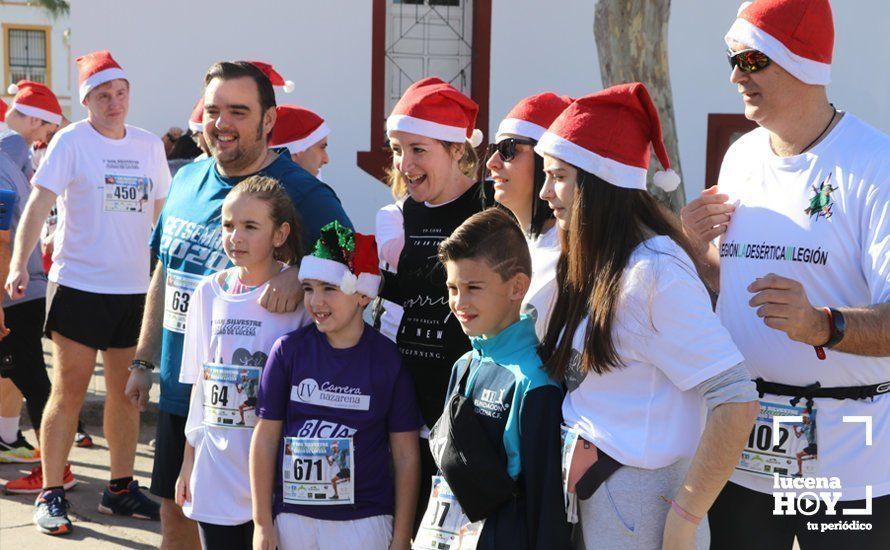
(802, 266)
(101, 170)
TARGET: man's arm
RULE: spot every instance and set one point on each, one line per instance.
(149, 346)
(40, 202)
(782, 303)
(4, 272)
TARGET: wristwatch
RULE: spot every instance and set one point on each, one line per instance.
(837, 324)
(147, 366)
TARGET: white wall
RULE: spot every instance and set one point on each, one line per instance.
(166, 47)
(324, 47)
(20, 13)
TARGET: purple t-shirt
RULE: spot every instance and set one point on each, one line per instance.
(320, 391)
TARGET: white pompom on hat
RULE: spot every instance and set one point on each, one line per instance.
(274, 77)
(797, 34)
(610, 134)
(435, 109)
(344, 258)
(36, 100)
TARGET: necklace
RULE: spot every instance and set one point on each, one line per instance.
(822, 133)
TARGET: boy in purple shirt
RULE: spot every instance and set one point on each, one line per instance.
(336, 410)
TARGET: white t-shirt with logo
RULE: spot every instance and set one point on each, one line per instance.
(541, 295)
(107, 191)
(228, 334)
(821, 218)
(648, 413)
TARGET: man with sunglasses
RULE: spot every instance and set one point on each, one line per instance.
(801, 214)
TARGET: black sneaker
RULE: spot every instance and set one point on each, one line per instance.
(129, 502)
(51, 513)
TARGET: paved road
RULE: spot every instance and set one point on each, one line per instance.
(91, 529)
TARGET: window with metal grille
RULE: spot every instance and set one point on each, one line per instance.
(27, 55)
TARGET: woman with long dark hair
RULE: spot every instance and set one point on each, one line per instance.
(518, 176)
(432, 136)
(633, 335)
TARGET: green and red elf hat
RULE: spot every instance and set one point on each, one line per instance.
(344, 258)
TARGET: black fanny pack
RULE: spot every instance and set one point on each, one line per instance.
(816, 390)
(469, 462)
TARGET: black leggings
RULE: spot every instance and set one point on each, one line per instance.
(742, 519)
(21, 355)
(227, 537)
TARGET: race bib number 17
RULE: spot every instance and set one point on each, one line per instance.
(444, 525)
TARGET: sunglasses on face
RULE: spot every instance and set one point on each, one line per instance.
(507, 148)
(748, 61)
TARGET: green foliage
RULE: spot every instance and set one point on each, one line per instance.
(54, 7)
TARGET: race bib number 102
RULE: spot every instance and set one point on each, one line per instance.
(790, 452)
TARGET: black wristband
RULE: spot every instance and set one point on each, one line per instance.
(838, 327)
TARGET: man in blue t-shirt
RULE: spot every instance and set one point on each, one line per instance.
(239, 114)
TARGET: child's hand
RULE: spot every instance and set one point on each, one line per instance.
(182, 492)
(265, 537)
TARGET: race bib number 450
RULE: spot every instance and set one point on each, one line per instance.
(125, 193)
(787, 448)
(230, 395)
(178, 290)
(318, 471)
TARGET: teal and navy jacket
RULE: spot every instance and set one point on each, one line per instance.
(520, 409)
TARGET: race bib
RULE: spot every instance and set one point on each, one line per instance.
(578, 455)
(125, 193)
(178, 290)
(790, 452)
(318, 471)
(230, 395)
(444, 525)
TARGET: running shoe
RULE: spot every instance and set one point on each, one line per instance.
(19, 451)
(51, 513)
(33, 482)
(129, 502)
(83, 440)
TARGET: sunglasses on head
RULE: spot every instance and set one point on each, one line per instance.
(748, 61)
(507, 148)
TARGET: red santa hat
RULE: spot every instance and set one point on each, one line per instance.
(435, 109)
(3, 108)
(297, 128)
(95, 69)
(275, 78)
(344, 258)
(532, 116)
(36, 100)
(797, 34)
(196, 120)
(609, 134)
